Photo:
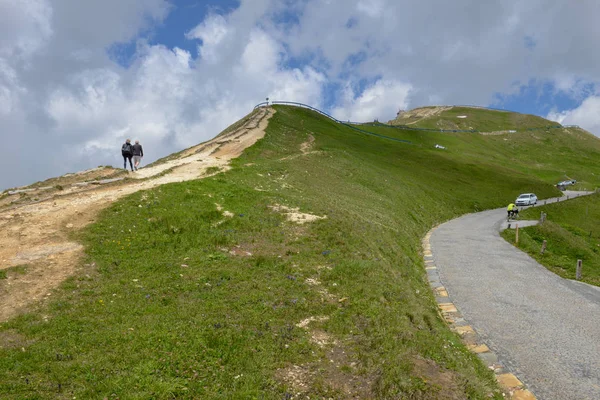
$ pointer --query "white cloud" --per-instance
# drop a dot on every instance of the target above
(25, 26)
(211, 32)
(373, 8)
(586, 115)
(380, 101)
(261, 55)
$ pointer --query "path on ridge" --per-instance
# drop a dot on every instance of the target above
(545, 329)
(37, 236)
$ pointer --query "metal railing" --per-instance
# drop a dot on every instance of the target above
(349, 125)
(352, 125)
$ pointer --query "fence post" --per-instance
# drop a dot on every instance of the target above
(543, 247)
(578, 272)
(517, 234)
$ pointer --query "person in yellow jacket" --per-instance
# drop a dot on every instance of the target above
(512, 210)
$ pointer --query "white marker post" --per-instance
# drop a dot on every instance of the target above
(578, 272)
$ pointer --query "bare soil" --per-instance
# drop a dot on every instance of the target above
(418, 114)
(35, 233)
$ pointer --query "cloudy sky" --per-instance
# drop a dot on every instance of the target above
(79, 77)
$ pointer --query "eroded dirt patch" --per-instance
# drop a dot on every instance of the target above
(11, 339)
(299, 378)
(294, 214)
(418, 114)
(445, 384)
(307, 146)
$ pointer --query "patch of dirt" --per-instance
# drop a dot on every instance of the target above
(336, 372)
(321, 338)
(11, 339)
(294, 214)
(306, 322)
(225, 213)
(240, 251)
(298, 378)
(306, 146)
(341, 375)
(418, 114)
(305, 149)
(312, 282)
(497, 133)
(38, 233)
(445, 383)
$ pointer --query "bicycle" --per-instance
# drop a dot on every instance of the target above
(513, 214)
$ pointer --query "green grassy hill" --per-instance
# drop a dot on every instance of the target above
(180, 301)
(551, 156)
(469, 118)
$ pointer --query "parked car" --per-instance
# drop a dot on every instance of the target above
(563, 184)
(526, 199)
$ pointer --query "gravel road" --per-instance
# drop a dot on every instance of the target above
(545, 329)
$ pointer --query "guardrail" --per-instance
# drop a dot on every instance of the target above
(293, 103)
(352, 125)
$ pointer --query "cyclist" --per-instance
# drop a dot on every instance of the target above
(511, 210)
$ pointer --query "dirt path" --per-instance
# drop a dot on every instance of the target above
(35, 249)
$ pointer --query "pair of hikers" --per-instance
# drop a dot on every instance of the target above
(129, 151)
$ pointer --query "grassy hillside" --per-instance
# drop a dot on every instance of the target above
(479, 119)
(180, 300)
(551, 156)
(572, 233)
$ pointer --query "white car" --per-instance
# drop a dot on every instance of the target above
(526, 199)
(563, 184)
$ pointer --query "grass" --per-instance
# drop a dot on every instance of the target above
(11, 271)
(549, 156)
(185, 302)
(571, 232)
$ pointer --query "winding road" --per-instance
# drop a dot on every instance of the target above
(544, 329)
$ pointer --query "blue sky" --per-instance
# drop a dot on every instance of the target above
(79, 78)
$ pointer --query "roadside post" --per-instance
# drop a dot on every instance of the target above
(517, 234)
(544, 244)
(578, 272)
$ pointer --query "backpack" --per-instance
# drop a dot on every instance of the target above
(126, 149)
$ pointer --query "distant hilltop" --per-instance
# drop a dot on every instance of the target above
(470, 118)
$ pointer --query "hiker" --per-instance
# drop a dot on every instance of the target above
(138, 153)
(127, 152)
